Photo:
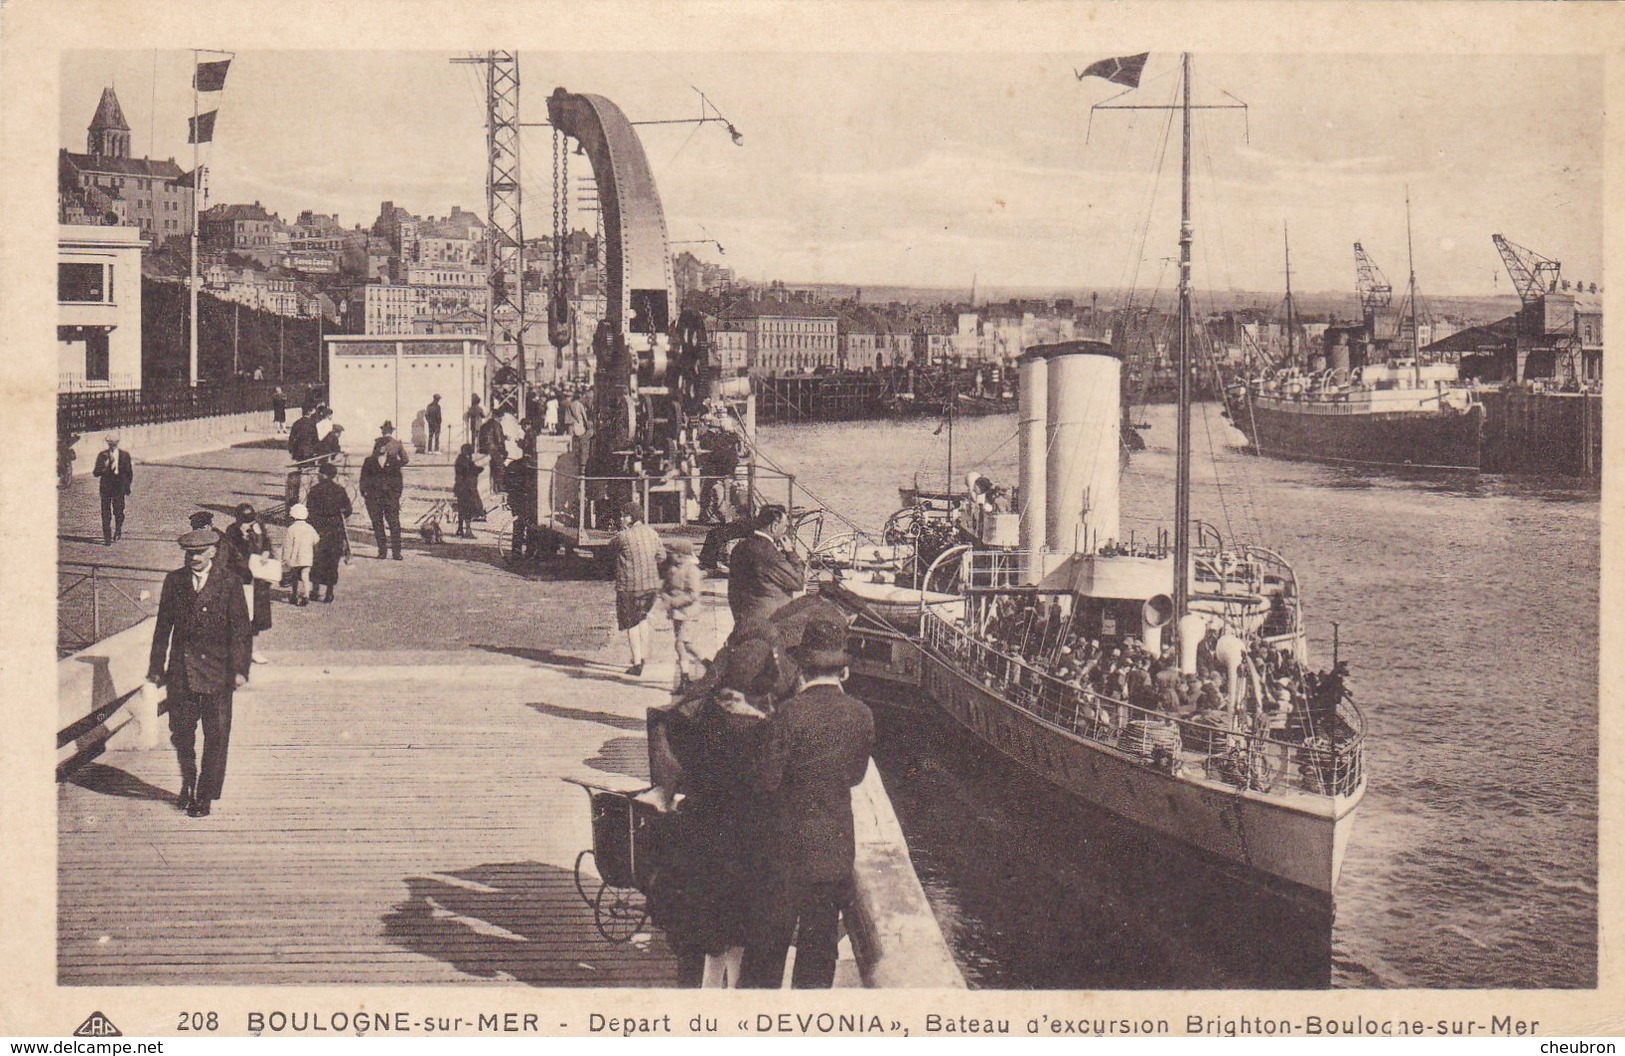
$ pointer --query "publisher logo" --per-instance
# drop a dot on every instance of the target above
(97, 1025)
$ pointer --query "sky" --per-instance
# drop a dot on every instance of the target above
(940, 169)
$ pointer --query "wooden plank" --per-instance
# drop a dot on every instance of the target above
(415, 833)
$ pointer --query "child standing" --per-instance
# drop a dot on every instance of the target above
(299, 553)
(680, 589)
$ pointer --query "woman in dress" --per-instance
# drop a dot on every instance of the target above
(328, 505)
(248, 537)
(279, 411)
(466, 491)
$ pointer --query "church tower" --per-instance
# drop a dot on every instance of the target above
(109, 134)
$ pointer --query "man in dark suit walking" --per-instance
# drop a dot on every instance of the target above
(763, 572)
(381, 487)
(199, 649)
(116, 473)
(818, 750)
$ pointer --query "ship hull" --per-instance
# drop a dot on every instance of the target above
(1298, 844)
(1429, 439)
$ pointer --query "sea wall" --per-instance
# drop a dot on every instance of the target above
(1546, 432)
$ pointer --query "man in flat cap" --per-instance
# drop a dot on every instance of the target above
(115, 473)
(199, 647)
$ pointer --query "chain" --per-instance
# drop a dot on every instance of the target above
(559, 190)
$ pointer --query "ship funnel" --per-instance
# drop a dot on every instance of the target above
(1083, 436)
(1030, 430)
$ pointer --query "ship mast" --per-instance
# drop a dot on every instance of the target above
(1182, 487)
(1410, 260)
(1291, 323)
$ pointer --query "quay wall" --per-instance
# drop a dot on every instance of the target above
(1549, 432)
(157, 440)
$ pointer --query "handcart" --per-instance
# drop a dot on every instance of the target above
(621, 862)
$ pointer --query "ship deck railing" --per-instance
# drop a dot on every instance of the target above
(1329, 763)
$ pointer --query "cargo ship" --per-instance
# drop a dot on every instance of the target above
(1349, 405)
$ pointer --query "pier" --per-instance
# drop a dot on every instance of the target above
(396, 809)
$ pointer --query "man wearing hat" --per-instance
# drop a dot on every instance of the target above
(638, 553)
(116, 473)
(200, 646)
(433, 417)
(818, 751)
(763, 571)
(381, 486)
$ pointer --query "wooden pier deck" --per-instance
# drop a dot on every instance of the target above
(399, 824)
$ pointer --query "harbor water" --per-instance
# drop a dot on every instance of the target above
(1467, 610)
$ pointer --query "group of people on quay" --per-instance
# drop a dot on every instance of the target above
(754, 763)
(1122, 669)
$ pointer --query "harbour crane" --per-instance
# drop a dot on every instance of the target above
(1532, 274)
(1374, 288)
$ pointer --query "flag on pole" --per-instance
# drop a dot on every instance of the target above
(1124, 70)
(201, 128)
(211, 76)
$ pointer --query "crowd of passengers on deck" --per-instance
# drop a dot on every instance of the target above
(1230, 677)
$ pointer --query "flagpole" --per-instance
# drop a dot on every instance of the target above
(191, 284)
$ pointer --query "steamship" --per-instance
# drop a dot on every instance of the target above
(1401, 412)
(1267, 783)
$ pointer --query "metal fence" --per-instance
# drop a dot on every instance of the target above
(93, 602)
(90, 410)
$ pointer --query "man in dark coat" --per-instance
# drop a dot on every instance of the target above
(432, 417)
(303, 438)
(763, 572)
(199, 649)
(817, 752)
(381, 487)
(116, 473)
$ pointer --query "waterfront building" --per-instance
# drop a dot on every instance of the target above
(782, 342)
(105, 185)
(730, 351)
(98, 292)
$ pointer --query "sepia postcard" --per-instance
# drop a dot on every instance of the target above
(1037, 519)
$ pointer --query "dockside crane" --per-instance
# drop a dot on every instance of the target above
(1373, 286)
(1532, 274)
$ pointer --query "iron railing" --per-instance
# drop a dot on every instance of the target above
(92, 603)
(88, 410)
(1329, 762)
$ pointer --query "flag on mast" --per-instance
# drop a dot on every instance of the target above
(1124, 70)
(201, 128)
(211, 76)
